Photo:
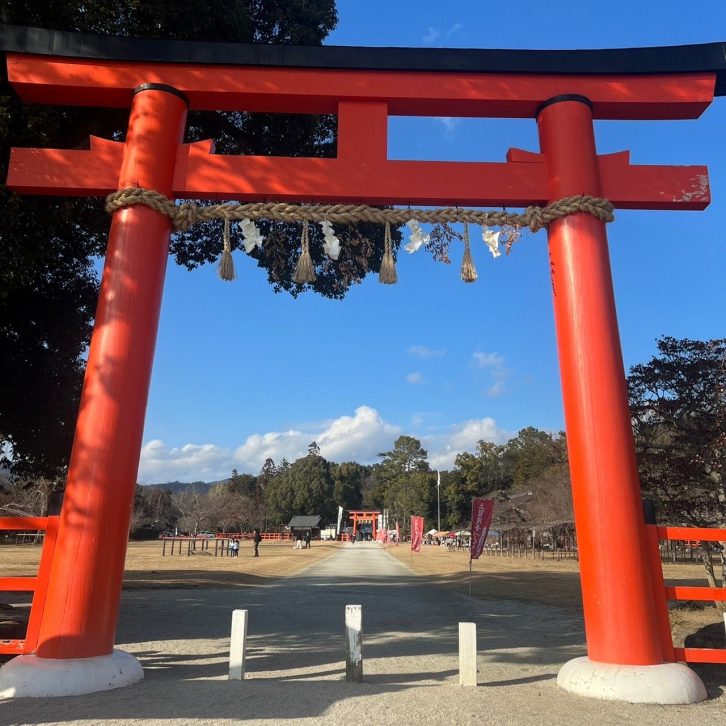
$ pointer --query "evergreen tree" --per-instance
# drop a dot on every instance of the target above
(404, 481)
(678, 407)
(48, 286)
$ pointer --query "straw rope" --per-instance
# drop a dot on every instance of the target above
(185, 215)
(387, 272)
(468, 269)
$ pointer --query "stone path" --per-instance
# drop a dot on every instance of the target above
(295, 665)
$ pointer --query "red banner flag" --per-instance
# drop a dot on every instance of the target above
(482, 511)
(416, 533)
(398, 533)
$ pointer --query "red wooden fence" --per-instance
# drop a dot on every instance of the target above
(38, 585)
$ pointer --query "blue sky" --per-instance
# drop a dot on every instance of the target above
(241, 373)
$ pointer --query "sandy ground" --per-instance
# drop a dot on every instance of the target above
(295, 667)
(551, 581)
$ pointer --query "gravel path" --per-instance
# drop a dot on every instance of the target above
(295, 663)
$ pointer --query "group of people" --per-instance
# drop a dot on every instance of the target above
(302, 541)
(233, 545)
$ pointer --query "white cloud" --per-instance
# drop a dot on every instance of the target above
(431, 35)
(357, 438)
(488, 360)
(443, 448)
(421, 351)
(453, 29)
(347, 438)
(415, 378)
(290, 445)
(498, 373)
(191, 462)
(449, 123)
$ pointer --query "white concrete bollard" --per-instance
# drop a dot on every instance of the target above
(467, 654)
(238, 645)
(353, 643)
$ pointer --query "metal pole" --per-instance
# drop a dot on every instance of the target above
(79, 619)
(438, 500)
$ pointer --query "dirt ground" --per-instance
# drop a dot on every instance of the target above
(295, 665)
(550, 581)
(146, 568)
(545, 580)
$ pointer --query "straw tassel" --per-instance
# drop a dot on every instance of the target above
(226, 263)
(387, 274)
(304, 271)
(468, 270)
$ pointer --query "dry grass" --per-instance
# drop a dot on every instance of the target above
(145, 566)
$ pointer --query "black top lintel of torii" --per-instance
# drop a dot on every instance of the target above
(702, 58)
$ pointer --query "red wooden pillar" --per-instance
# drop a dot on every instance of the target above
(620, 615)
(81, 611)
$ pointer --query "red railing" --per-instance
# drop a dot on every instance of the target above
(680, 592)
(38, 585)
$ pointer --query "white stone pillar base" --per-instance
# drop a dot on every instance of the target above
(668, 683)
(28, 676)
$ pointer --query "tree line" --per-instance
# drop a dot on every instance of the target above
(678, 409)
(533, 465)
(678, 406)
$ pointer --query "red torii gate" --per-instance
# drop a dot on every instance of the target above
(361, 516)
(563, 91)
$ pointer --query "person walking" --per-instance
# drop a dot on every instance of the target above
(235, 547)
(307, 540)
(257, 538)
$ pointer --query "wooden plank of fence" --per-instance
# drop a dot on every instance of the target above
(17, 524)
(18, 584)
(682, 592)
(41, 590)
(700, 655)
(692, 534)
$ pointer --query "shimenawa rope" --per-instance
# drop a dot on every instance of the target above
(185, 215)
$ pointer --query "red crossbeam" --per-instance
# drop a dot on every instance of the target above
(370, 179)
(63, 81)
(363, 102)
